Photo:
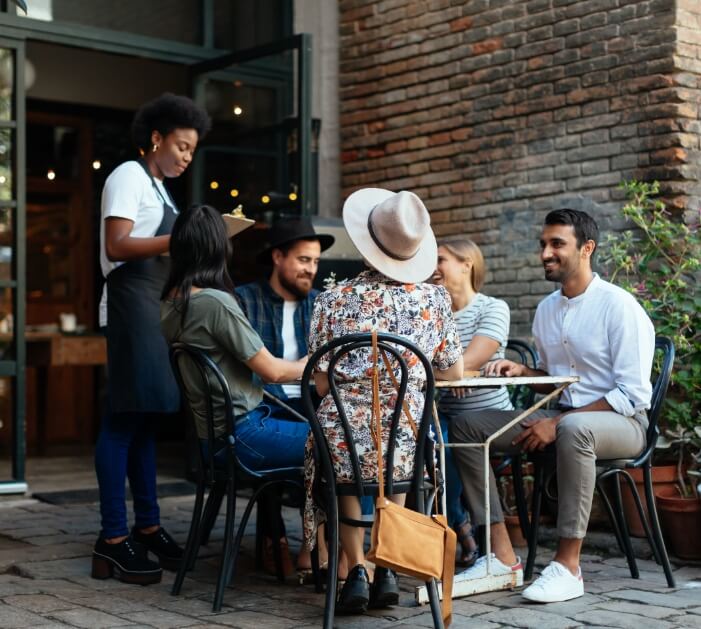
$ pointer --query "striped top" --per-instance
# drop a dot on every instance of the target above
(483, 316)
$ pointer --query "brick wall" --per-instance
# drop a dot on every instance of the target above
(496, 111)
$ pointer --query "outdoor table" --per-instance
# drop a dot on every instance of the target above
(490, 582)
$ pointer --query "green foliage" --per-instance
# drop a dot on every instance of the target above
(659, 261)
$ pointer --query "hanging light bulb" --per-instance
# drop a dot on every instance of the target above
(50, 174)
(234, 192)
(214, 185)
(237, 110)
(97, 164)
(265, 199)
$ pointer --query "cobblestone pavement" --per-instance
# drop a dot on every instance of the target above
(45, 582)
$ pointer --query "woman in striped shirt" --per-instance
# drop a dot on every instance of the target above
(483, 326)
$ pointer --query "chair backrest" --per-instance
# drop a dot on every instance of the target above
(209, 376)
(395, 347)
(521, 396)
(659, 390)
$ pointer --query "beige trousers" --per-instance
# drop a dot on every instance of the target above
(581, 439)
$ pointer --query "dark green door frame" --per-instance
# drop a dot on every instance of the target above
(16, 368)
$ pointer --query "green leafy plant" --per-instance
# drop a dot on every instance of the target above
(659, 261)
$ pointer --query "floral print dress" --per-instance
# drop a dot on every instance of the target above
(420, 313)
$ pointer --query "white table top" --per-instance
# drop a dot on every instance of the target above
(497, 381)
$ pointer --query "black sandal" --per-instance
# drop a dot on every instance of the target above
(468, 544)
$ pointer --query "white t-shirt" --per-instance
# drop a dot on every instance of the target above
(290, 349)
(128, 193)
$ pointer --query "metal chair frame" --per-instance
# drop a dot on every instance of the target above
(222, 479)
(423, 490)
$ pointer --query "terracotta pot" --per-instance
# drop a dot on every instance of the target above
(662, 476)
(514, 529)
(681, 522)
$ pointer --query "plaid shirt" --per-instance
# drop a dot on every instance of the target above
(263, 307)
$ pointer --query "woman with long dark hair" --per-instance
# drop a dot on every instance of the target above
(137, 217)
(199, 309)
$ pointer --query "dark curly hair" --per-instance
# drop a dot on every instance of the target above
(165, 114)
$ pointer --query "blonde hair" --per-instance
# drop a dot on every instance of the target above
(465, 249)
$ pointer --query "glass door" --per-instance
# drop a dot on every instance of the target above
(12, 267)
(260, 103)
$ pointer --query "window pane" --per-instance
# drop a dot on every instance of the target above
(239, 25)
(178, 20)
(7, 60)
(5, 164)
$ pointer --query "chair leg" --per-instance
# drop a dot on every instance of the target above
(225, 567)
(316, 570)
(643, 517)
(192, 545)
(519, 494)
(332, 574)
(231, 571)
(655, 524)
(211, 511)
(609, 509)
(625, 534)
(435, 602)
(538, 481)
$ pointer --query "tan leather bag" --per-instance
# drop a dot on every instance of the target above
(409, 542)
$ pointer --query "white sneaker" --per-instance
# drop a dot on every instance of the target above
(496, 567)
(554, 585)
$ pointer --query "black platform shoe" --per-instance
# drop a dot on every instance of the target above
(126, 561)
(384, 591)
(162, 545)
(355, 593)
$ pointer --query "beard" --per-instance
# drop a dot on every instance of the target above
(295, 286)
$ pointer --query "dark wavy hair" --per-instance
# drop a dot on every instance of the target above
(165, 114)
(585, 227)
(199, 254)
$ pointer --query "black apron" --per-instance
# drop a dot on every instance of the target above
(139, 374)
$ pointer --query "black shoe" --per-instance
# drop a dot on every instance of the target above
(355, 593)
(162, 545)
(384, 591)
(126, 561)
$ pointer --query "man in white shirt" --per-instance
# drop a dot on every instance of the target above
(591, 329)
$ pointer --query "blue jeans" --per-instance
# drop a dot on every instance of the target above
(453, 486)
(126, 448)
(265, 438)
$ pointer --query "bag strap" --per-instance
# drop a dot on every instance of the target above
(405, 406)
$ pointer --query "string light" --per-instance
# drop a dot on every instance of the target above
(97, 164)
(214, 185)
(265, 199)
(234, 192)
(51, 175)
(292, 196)
(237, 111)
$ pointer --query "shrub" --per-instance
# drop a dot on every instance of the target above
(659, 263)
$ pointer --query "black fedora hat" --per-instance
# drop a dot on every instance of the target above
(289, 229)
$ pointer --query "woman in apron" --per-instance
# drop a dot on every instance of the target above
(137, 217)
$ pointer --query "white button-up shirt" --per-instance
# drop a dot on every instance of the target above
(603, 336)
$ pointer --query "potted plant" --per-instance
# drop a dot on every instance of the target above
(659, 261)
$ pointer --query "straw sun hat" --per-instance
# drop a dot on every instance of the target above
(392, 231)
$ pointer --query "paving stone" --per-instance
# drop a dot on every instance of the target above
(607, 618)
(118, 605)
(17, 618)
(524, 617)
(40, 603)
(651, 611)
(677, 599)
(162, 619)
(257, 620)
(575, 606)
(89, 618)
(459, 622)
(687, 621)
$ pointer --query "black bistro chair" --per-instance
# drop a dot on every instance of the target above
(421, 487)
(610, 470)
(221, 473)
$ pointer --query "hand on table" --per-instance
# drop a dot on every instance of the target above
(504, 367)
(537, 434)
